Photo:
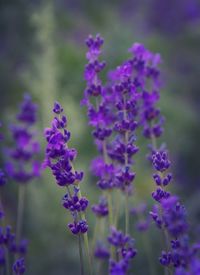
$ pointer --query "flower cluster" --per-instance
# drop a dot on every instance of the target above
(19, 267)
(3, 181)
(22, 166)
(101, 209)
(125, 251)
(59, 158)
(101, 251)
(115, 111)
(168, 214)
(8, 241)
(112, 112)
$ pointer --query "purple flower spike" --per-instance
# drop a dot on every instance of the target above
(101, 209)
(22, 165)
(168, 213)
(74, 203)
(126, 251)
(79, 227)
(165, 259)
(19, 266)
(28, 111)
(101, 251)
(59, 158)
(94, 46)
(2, 178)
(57, 108)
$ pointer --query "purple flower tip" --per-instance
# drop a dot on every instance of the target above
(57, 108)
(19, 266)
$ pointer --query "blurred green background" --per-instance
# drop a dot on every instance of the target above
(42, 51)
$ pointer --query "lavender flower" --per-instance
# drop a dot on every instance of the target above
(8, 242)
(93, 68)
(2, 178)
(22, 166)
(112, 111)
(113, 119)
(115, 111)
(168, 214)
(19, 266)
(101, 209)
(101, 251)
(59, 158)
(125, 251)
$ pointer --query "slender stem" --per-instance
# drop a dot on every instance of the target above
(80, 254)
(153, 141)
(97, 225)
(110, 210)
(109, 198)
(105, 155)
(82, 214)
(85, 237)
(69, 192)
(20, 211)
(127, 214)
(109, 195)
(7, 261)
(118, 205)
(147, 247)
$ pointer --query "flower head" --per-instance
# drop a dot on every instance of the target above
(23, 165)
(60, 158)
(19, 266)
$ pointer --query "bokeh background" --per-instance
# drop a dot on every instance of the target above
(42, 52)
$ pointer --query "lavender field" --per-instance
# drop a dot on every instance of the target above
(99, 137)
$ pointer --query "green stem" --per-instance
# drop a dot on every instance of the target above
(118, 205)
(86, 242)
(80, 254)
(97, 225)
(20, 212)
(85, 237)
(147, 247)
(110, 210)
(7, 262)
(82, 214)
(109, 197)
(127, 214)
(105, 155)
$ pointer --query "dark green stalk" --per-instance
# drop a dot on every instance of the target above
(126, 214)
(20, 212)
(80, 254)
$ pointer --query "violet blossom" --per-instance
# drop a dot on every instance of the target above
(23, 165)
(60, 158)
(168, 213)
